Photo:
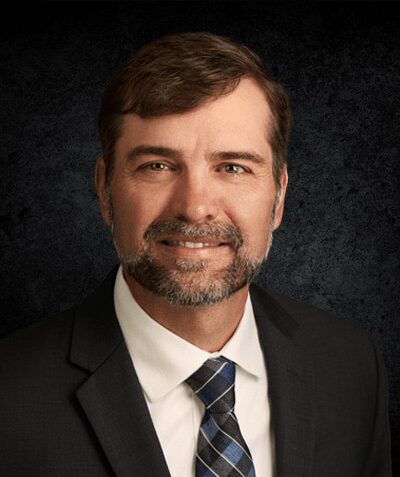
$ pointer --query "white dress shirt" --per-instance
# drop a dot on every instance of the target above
(163, 361)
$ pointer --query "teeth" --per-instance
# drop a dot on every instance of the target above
(193, 244)
(190, 244)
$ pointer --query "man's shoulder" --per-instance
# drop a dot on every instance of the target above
(46, 330)
(37, 347)
(316, 328)
(54, 332)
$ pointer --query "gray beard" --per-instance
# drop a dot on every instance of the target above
(186, 282)
(180, 287)
(182, 284)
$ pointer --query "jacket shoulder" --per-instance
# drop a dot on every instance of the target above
(316, 328)
(37, 345)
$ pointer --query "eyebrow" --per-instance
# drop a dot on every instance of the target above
(239, 155)
(169, 153)
(146, 150)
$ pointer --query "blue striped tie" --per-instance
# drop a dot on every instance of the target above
(221, 448)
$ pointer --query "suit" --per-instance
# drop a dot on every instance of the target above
(71, 403)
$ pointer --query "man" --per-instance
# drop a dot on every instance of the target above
(176, 365)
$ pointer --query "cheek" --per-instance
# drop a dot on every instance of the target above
(254, 220)
(133, 213)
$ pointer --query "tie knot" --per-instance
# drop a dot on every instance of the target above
(214, 384)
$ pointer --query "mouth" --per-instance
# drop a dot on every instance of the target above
(191, 244)
(179, 237)
(190, 248)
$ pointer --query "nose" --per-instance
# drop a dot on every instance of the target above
(194, 199)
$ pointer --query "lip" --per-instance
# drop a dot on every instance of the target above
(191, 244)
(189, 247)
(181, 240)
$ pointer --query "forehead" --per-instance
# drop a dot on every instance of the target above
(238, 119)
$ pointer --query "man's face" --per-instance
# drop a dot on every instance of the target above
(192, 200)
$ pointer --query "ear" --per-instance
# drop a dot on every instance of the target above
(281, 200)
(102, 193)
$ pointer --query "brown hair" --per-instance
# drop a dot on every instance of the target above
(179, 72)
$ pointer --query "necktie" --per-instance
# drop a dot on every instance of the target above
(221, 449)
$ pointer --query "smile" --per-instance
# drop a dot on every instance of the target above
(181, 243)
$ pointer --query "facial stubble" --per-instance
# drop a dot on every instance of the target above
(190, 282)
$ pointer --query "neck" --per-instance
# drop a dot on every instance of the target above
(207, 327)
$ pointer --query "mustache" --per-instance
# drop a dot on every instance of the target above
(231, 234)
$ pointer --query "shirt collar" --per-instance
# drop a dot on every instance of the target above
(163, 360)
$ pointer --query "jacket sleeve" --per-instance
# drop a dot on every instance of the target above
(378, 460)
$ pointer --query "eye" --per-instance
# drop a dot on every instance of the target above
(233, 169)
(156, 166)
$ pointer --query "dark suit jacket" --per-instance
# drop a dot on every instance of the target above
(71, 403)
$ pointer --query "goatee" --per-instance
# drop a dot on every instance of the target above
(188, 282)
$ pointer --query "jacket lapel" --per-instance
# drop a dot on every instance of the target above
(113, 401)
(290, 384)
(112, 397)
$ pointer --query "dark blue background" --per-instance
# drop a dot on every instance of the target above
(338, 245)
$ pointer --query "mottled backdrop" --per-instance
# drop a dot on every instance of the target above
(338, 247)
